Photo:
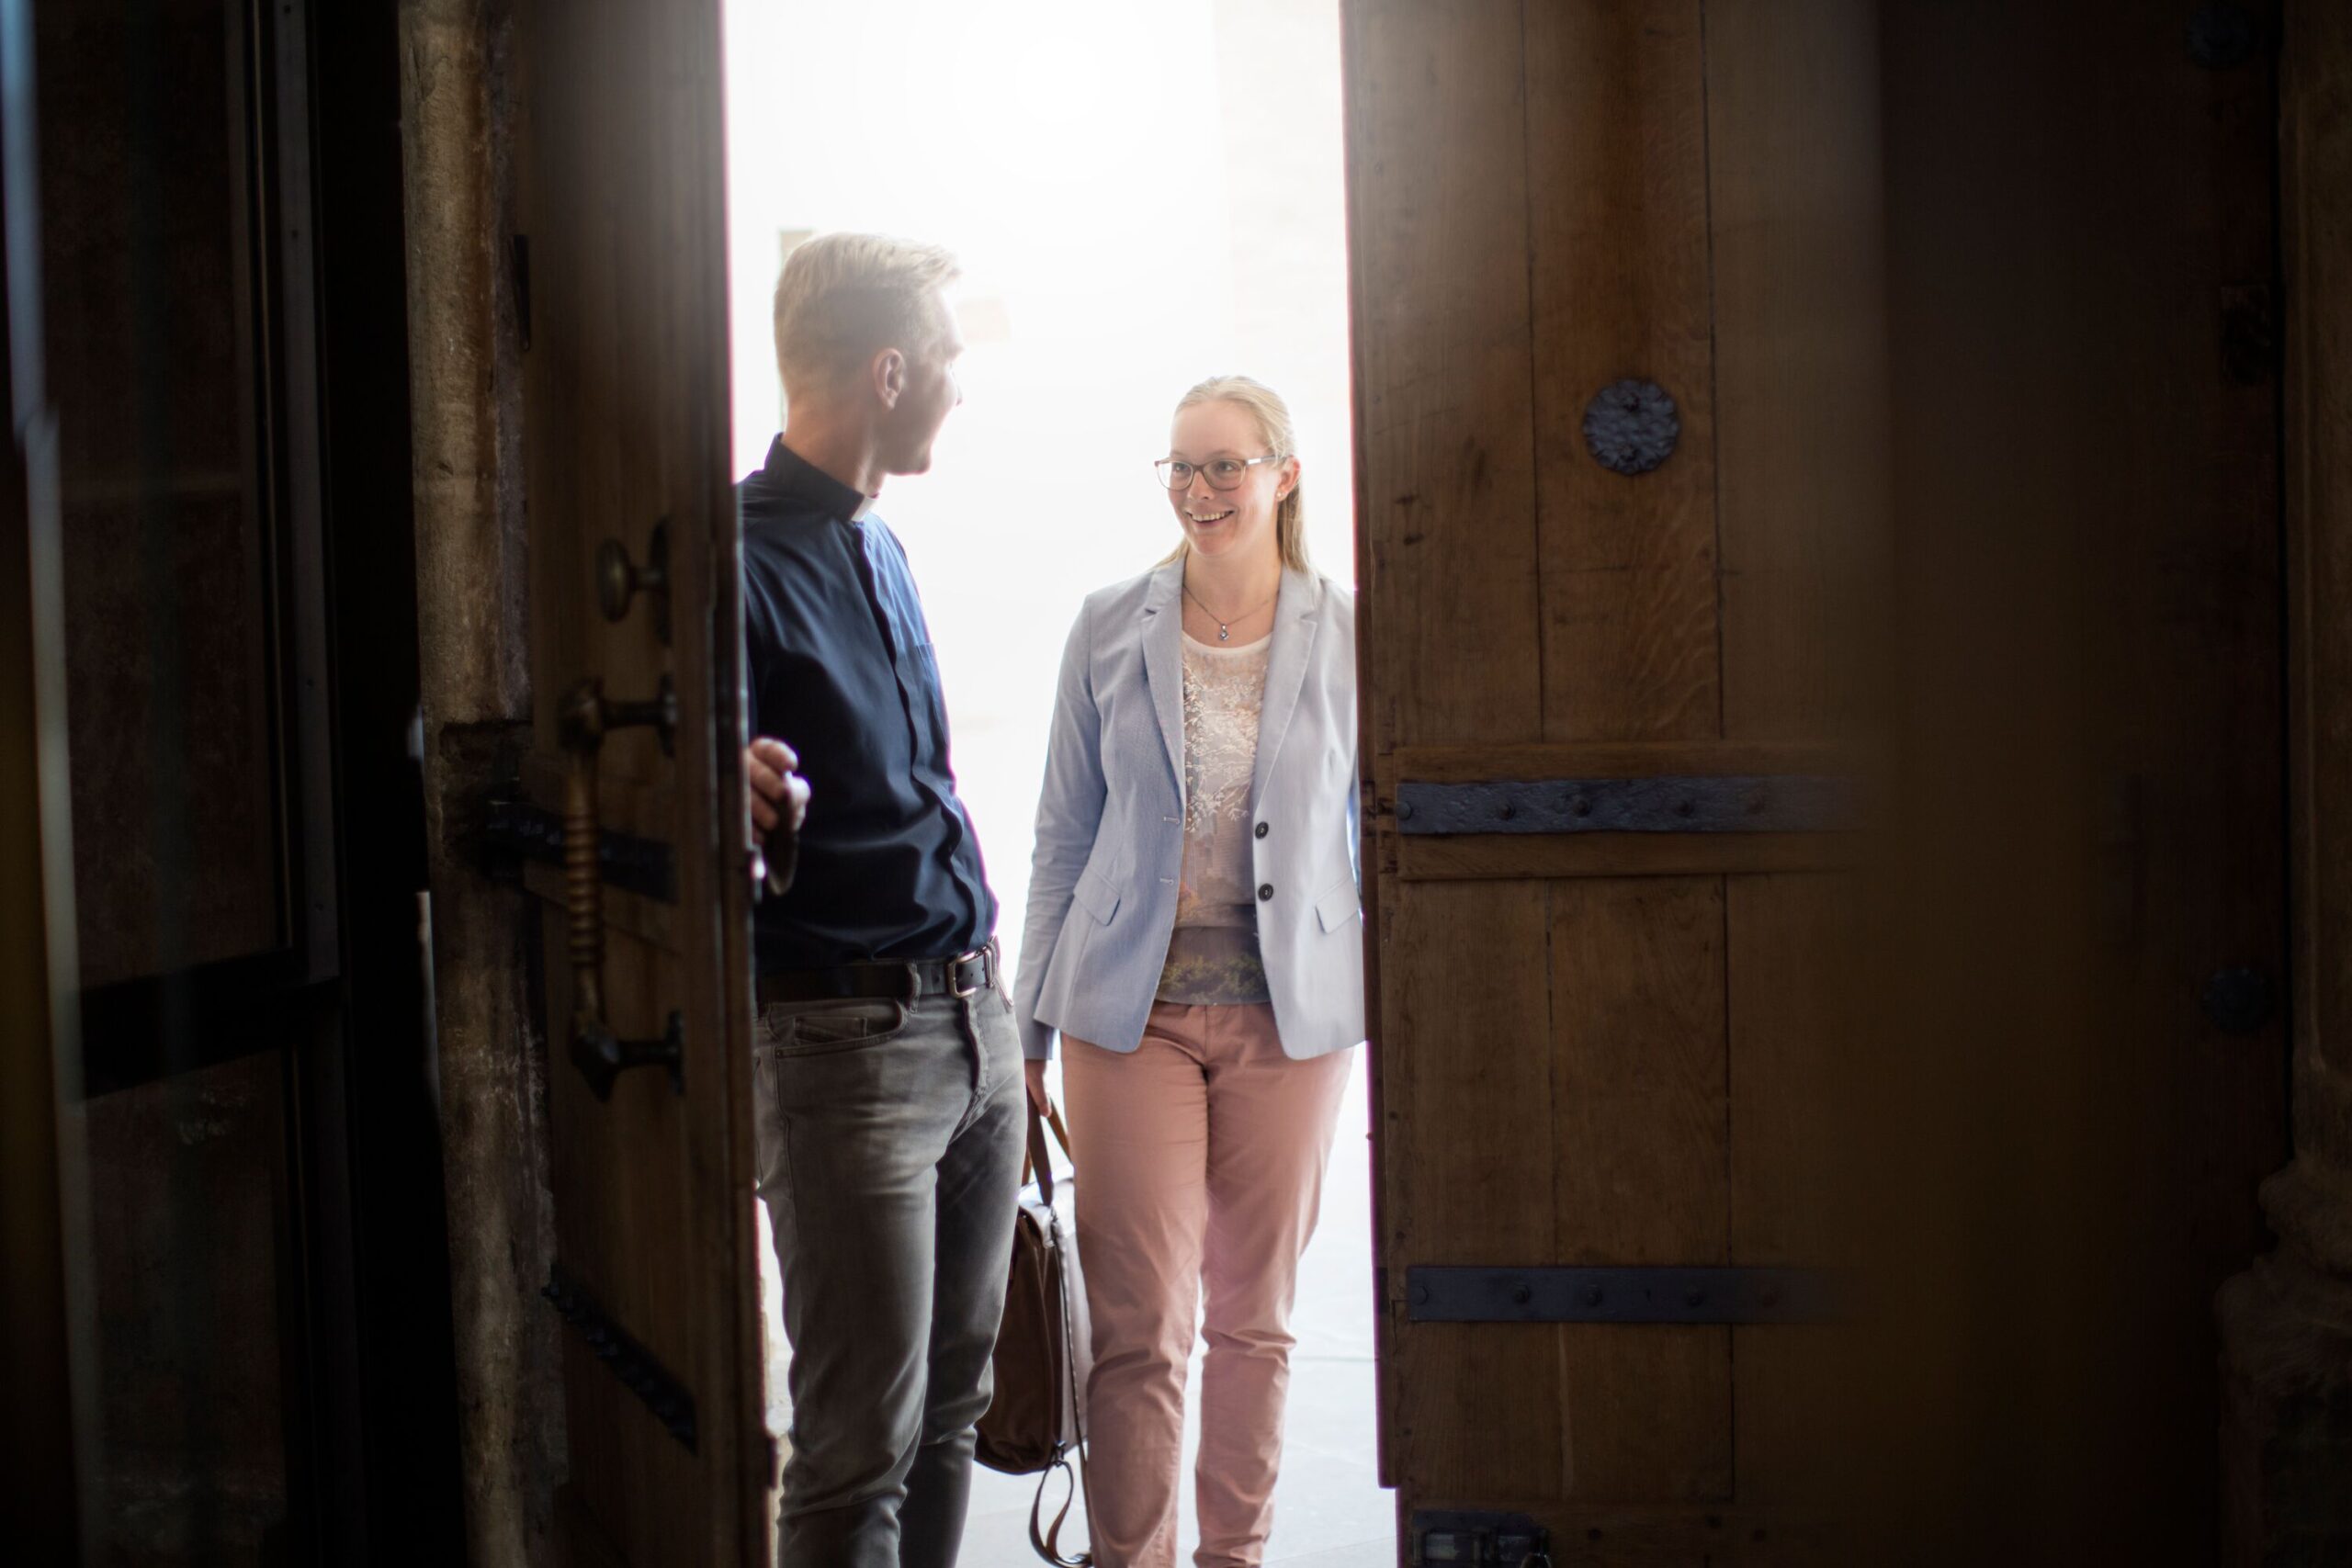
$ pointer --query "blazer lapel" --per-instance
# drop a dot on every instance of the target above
(1163, 660)
(1293, 639)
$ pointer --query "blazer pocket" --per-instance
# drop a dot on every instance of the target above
(1096, 897)
(1338, 906)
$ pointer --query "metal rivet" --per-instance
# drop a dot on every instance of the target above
(1404, 808)
(1630, 426)
(1581, 806)
(1694, 1298)
(1592, 1295)
(1521, 1293)
(1505, 810)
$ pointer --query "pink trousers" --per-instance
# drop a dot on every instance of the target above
(1200, 1160)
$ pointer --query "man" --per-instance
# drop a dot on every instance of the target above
(888, 1084)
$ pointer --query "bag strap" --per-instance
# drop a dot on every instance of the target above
(1037, 1158)
(1046, 1539)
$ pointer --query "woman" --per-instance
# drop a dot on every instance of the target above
(1193, 937)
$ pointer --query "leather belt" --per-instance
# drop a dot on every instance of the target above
(966, 974)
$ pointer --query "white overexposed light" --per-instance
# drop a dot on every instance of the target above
(1142, 195)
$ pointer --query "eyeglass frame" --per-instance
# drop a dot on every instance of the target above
(1161, 467)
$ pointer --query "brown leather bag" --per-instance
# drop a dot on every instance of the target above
(1037, 1419)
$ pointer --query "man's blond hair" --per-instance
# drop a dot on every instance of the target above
(842, 299)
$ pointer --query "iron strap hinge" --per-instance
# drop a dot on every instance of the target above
(631, 1362)
(1752, 803)
(517, 830)
(1439, 1293)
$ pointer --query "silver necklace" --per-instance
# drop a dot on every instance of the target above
(1224, 628)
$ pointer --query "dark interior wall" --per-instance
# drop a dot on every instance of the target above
(266, 1269)
(152, 286)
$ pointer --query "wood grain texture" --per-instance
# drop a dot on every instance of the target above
(1792, 960)
(1617, 262)
(1795, 188)
(1627, 759)
(1640, 1174)
(1467, 1121)
(626, 424)
(1510, 856)
(1446, 502)
(1795, 183)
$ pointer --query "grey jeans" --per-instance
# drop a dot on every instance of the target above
(890, 1150)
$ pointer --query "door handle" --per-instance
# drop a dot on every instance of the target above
(586, 717)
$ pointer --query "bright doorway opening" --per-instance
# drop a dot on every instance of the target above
(1142, 195)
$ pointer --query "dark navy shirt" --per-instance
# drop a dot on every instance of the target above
(839, 662)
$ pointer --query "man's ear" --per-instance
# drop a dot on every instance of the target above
(889, 377)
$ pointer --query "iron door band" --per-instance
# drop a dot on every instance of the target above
(1753, 803)
(517, 830)
(1444, 1294)
(631, 1362)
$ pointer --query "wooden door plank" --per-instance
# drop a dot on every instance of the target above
(627, 413)
(1790, 962)
(1466, 1110)
(1796, 193)
(1617, 262)
(1444, 436)
(1629, 760)
(1640, 1175)
(1514, 855)
(1796, 189)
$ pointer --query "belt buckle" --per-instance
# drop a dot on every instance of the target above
(955, 974)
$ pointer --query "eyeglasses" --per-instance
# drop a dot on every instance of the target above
(1223, 473)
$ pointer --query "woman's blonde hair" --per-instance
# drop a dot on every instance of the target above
(1266, 406)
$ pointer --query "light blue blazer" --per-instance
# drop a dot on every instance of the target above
(1110, 821)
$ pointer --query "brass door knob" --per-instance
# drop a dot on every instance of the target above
(619, 581)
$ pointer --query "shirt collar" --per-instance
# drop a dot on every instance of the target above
(796, 475)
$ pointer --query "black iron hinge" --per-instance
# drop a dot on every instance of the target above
(517, 830)
(631, 1362)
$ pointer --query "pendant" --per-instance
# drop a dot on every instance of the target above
(1223, 632)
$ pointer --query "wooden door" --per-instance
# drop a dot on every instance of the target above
(621, 248)
(1825, 824)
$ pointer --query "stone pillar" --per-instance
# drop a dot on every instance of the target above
(473, 631)
(2286, 1323)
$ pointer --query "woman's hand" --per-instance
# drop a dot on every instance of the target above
(1036, 1071)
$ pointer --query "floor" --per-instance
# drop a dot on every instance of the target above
(1329, 1510)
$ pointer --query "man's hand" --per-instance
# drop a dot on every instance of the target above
(778, 793)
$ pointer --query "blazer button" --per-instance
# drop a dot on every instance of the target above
(1265, 892)
(1261, 830)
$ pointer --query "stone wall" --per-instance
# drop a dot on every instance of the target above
(458, 118)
